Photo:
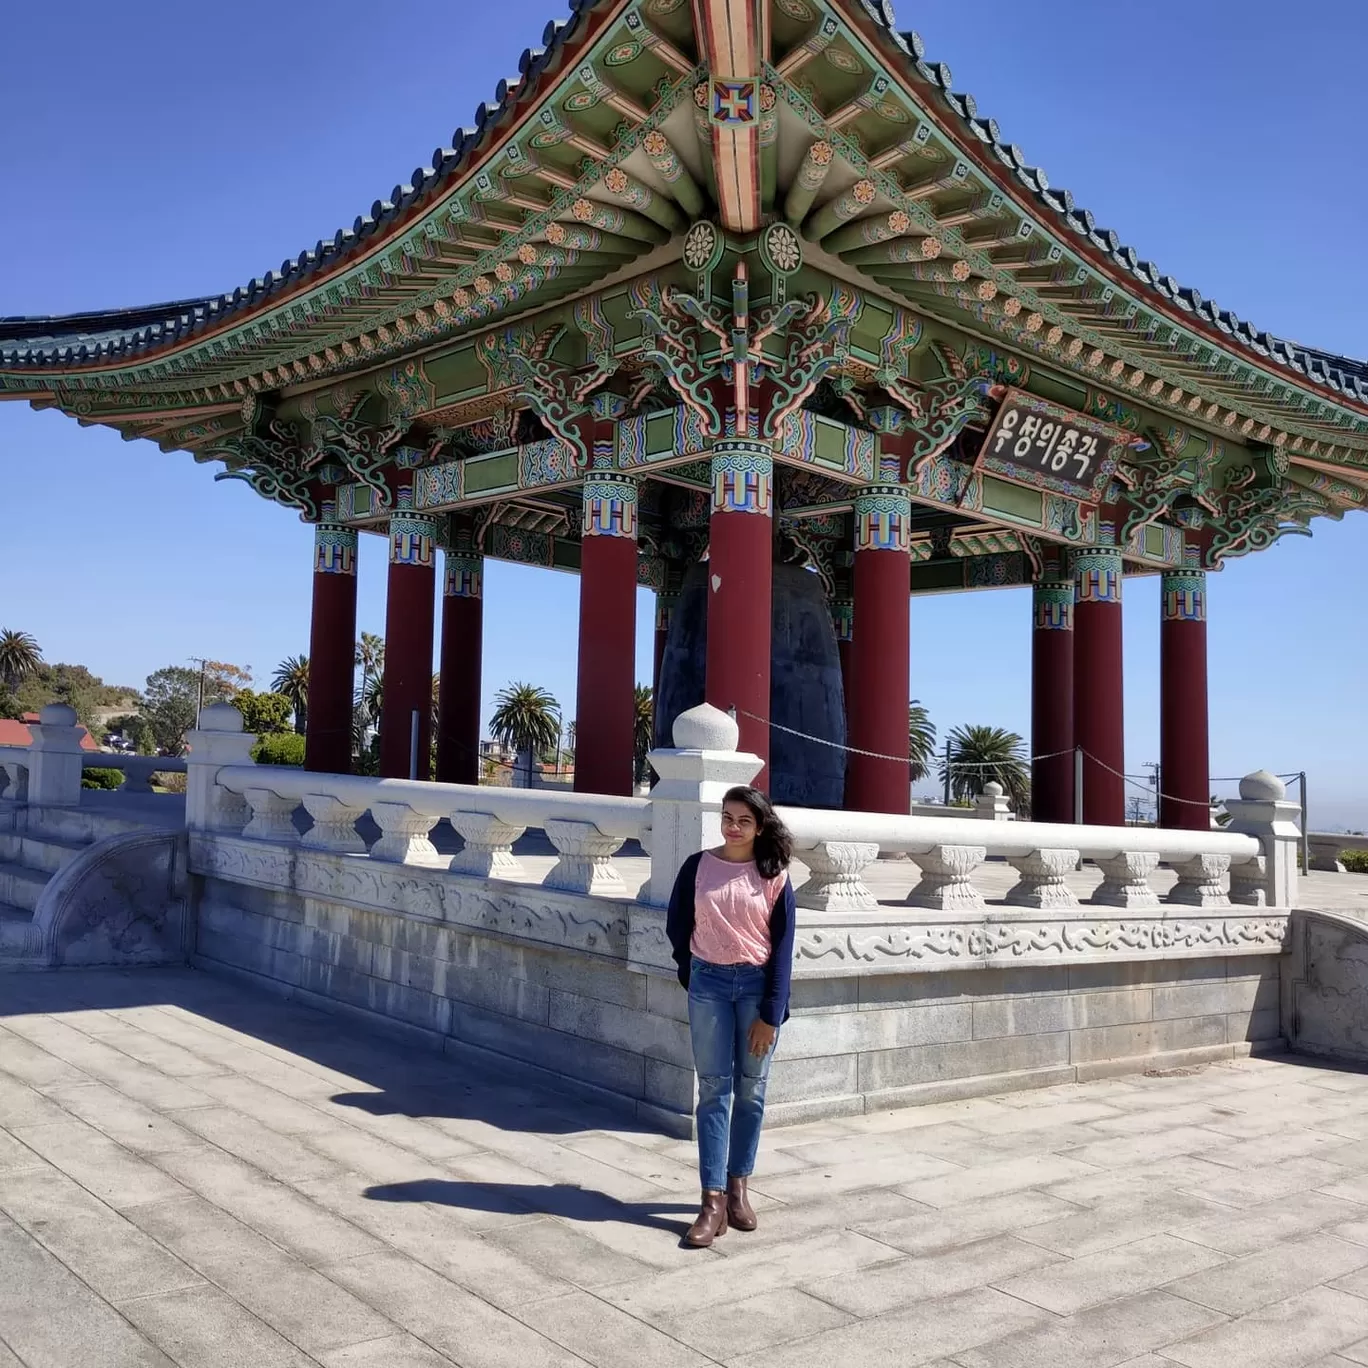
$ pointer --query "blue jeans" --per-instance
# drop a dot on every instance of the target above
(724, 999)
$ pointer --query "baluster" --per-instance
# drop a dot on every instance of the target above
(835, 882)
(272, 816)
(137, 776)
(403, 835)
(945, 883)
(334, 825)
(1042, 883)
(488, 848)
(585, 864)
(1125, 880)
(16, 789)
(1249, 882)
(1199, 881)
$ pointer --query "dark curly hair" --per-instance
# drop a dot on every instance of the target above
(773, 843)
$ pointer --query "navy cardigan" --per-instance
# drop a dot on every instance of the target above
(679, 927)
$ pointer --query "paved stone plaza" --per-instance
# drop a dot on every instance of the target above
(192, 1173)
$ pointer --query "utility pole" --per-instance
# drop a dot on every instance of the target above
(203, 665)
(1153, 767)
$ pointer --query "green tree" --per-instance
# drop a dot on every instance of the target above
(223, 681)
(137, 731)
(291, 679)
(526, 718)
(643, 729)
(263, 713)
(981, 755)
(19, 657)
(9, 704)
(172, 695)
(921, 740)
(279, 748)
(73, 685)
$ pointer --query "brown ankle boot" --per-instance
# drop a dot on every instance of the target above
(711, 1222)
(740, 1213)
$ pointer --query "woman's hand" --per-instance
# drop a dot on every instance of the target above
(762, 1036)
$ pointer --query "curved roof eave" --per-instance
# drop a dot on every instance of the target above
(120, 335)
(1341, 375)
(93, 339)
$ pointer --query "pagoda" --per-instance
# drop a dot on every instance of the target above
(741, 301)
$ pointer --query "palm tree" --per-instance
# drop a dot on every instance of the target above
(19, 657)
(370, 657)
(981, 755)
(526, 718)
(643, 728)
(921, 740)
(291, 678)
(372, 698)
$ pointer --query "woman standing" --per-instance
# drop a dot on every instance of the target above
(731, 924)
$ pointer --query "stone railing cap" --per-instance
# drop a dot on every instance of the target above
(1262, 787)
(706, 728)
(57, 715)
(220, 717)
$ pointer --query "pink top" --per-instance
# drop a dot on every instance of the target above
(732, 906)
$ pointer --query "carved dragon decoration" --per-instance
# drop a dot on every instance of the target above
(274, 465)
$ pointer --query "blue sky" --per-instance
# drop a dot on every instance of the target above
(168, 150)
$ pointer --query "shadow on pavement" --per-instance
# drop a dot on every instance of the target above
(546, 1199)
(378, 1072)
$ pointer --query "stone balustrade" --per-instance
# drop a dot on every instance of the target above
(1326, 847)
(47, 772)
(1249, 865)
(839, 846)
(332, 888)
(262, 803)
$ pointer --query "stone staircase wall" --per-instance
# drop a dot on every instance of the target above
(97, 884)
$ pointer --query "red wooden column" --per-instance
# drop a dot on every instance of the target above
(1052, 700)
(604, 704)
(408, 640)
(879, 654)
(1099, 712)
(458, 698)
(1184, 761)
(740, 590)
(332, 647)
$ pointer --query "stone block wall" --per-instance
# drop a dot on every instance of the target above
(856, 1042)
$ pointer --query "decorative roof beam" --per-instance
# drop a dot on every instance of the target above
(729, 33)
(842, 209)
(969, 211)
(644, 200)
(659, 46)
(873, 93)
(592, 242)
(895, 253)
(955, 178)
(808, 181)
(915, 146)
(986, 236)
(623, 222)
(607, 93)
(666, 163)
(815, 43)
(868, 232)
